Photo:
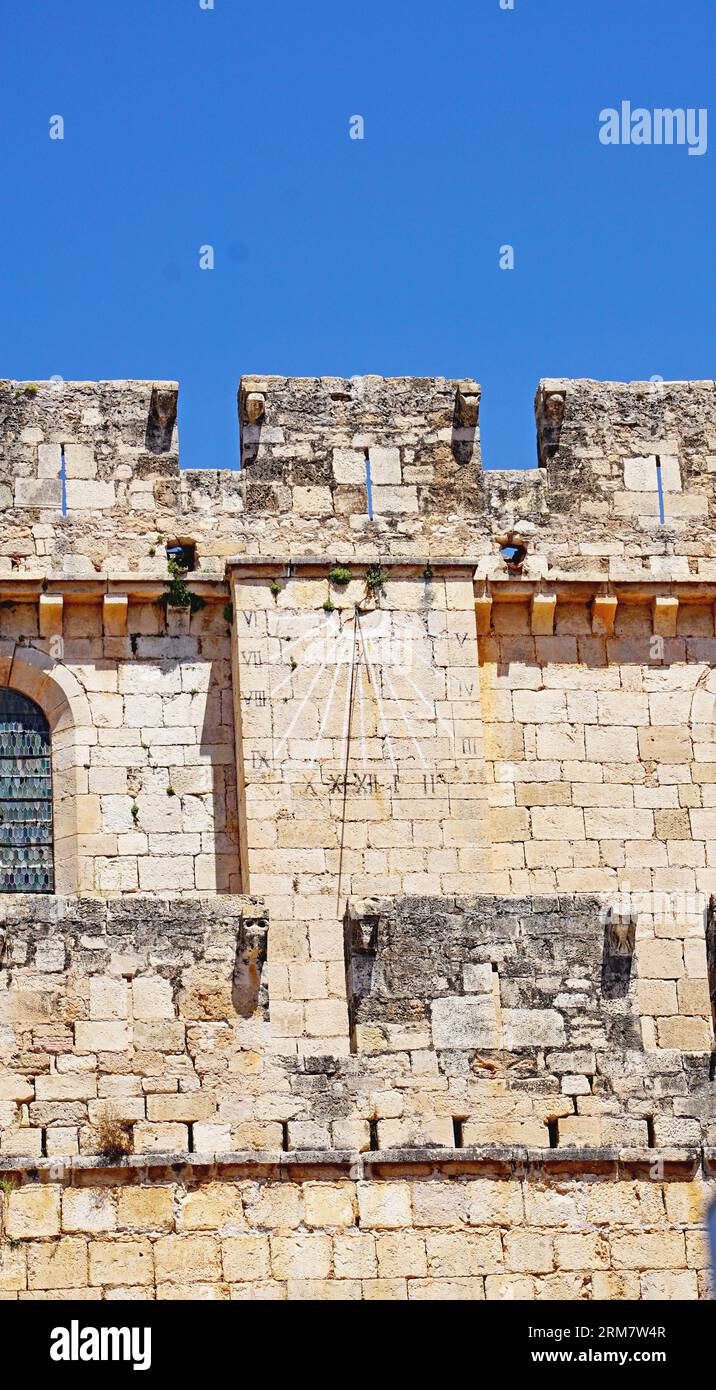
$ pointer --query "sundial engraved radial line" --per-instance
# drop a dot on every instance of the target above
(357, 694)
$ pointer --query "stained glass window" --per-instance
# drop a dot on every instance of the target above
(25, 797)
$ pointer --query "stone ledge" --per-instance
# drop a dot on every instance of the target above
(376, 1163)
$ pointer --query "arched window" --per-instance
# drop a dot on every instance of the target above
(25, 797)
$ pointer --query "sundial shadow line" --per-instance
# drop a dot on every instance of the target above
(376, 691)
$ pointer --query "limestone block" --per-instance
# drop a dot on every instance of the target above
(38, 492)
(384, 1205)
(246, 1257)
(214, 1207)
(101, 1037)
(670, 474)
(579, 1130)
(465, 1253)
(688, 1034)
(89, 496)
(349, 465)
(185, 1107)
(49, 460)
(669, 1284)
(33, 1211)
(152, 997)
(187, 1259)
(14, 1087)
(640, 474)
(533, 1028)
(300, 1256)
(145, 1208)
(313, 501)
(354, 1255)
(88, 1209)
(384, 465)
(13, 1271)
(660, 959)
(278, 1208)
(528, 1251)
(165, 1035)
(395, 499)
(58, 1264)
(109, 998)
(645, 1250)
(160, 1138)
(73, 1086)
(478, 979)
(213, 1138)
(80, 461)
(330, 1204)
(121, 1261)
(509, 1287)
(667, 744)
(401, 1254)
(464, 1021)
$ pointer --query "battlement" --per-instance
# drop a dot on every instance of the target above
(366, 445)
(387, 463)
(85, 438)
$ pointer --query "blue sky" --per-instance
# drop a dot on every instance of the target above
(229, 127)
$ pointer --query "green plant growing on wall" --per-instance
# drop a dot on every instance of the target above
(31, 389)
(134, 642)
(340, 575)
(275, 588)
(178, 595)
(329, 606)
(135, 813)
(375, 578)
(428, 573)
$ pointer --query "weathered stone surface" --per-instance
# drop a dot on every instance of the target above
(477, 726)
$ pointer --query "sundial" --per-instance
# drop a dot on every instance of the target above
(354, 701)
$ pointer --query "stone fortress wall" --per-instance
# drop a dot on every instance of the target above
(382, 920)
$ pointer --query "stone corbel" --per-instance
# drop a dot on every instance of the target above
(604, 612)
(483, 614)
(666, 613)
(115, 608)
(249, 988)
(542, 614)
(51, 608)
(467, 404)
(252, 403)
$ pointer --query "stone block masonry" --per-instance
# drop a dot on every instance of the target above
(380, 959)
(405, 1232)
